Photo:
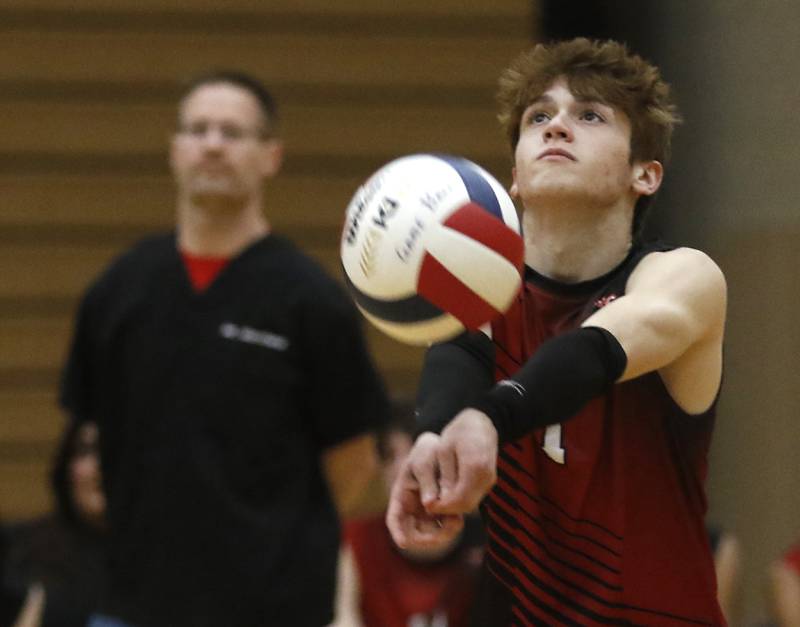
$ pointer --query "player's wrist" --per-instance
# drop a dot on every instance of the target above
(501, 404)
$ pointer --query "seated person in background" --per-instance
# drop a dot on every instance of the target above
(10, 600)
(57, 560)
(381, 585)
(727, 564)
(784, 588)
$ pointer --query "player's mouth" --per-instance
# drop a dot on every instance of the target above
(556, 153)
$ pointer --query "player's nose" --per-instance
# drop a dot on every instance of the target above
(558, 128)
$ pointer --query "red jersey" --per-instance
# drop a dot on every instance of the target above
(398, 592)
(792, 558)
(600, 520)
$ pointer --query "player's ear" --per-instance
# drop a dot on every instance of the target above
(513, 191)
(272, 157)
(647, 177)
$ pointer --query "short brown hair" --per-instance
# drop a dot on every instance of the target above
(604, 71)
(250, 84)
(596, 70)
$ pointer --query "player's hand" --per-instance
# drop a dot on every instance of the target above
(411, 524)
(443, 478)
(466, 463)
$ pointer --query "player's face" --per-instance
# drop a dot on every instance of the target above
(220, 149)
(85, 477)
(573, 150)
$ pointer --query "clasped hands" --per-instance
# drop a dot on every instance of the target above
(444, 477)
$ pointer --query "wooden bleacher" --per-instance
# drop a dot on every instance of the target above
(87, 102)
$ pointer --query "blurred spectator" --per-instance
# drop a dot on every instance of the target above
(10, 600)
(727, 564)
(56, 561)
(784, 588)
(233, 391)
(381, 585)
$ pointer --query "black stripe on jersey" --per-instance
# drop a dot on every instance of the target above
(502, 571)
(495, 512)
(499, 552)
(504, 477)
(499, 565)
(683, 619)
(517, 466)
(500, 495)
(498, 571)
(504, 534)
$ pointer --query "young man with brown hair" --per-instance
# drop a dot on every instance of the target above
(590, 449)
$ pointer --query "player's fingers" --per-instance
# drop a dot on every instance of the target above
(450, 526)
(422, 464)
(396, 522)
(448, 471)
(473, 480)
(403, 504)
(434, 532)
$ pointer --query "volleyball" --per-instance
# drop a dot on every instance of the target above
(431, 246)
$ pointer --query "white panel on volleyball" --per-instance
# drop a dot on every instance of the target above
(481, 269)
(441, 328)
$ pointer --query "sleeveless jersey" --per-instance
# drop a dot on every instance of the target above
(599, 520)
(398, 592)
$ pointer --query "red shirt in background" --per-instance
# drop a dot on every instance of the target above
(203, 270)
(396, 591)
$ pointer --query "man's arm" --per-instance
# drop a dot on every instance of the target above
(672, 320)
(348, 468)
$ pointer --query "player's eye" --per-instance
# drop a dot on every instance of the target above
(538, 117)
(590, 115)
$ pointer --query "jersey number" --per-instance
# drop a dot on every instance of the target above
(553, 445)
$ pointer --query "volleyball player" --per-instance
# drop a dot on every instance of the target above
(232, 389)
(589, 452)
(783, 590)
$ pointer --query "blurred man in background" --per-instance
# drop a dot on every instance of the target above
(233, 392)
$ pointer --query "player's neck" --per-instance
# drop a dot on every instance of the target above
(219, 230)
(575, 246)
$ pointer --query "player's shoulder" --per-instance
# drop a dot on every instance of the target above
(690, 265)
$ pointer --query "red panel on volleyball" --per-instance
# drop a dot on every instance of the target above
(437, 285)
(474, 221)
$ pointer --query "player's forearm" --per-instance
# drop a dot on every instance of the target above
(454, 374)
(555, 383)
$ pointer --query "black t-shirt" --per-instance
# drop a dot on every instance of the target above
(214, 408)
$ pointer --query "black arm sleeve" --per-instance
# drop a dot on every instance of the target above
(454, 375)
(555, 383)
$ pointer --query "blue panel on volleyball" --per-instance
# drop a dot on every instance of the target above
(478, 188)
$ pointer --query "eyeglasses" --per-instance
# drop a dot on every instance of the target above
(228, 132)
